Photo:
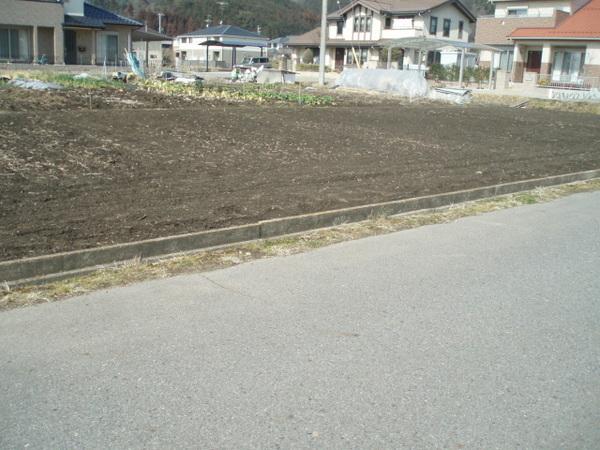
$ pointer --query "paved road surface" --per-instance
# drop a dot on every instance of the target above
(478, 334)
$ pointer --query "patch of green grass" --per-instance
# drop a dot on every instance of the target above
(526, 199)
(241, 92)
(68, 80)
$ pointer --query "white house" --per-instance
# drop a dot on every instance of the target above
(218, 46)
(509, 15)
(358, 32)
(566, 55)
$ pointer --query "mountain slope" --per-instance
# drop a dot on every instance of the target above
(274, 17)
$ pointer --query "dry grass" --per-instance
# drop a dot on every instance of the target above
(138, 270)
(536, 103)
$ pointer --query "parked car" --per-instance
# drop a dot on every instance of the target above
(254, 61)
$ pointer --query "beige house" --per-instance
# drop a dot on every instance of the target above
(30, 29)
(152, 48)
(358, 32)
(63, 31)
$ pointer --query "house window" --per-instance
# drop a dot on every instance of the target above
(568, 66)
(361, 53)
(362, 24)
(368, 26)
(506, 61)
(434, 58)
(349, 57)
(388, 23)
(355, 25)
(433, 25)
(517, 12)
(447, 24)
(108, 47)
(14, 44)
(340, 27)
(461, 26)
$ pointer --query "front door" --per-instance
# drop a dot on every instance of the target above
(70, 47)
(401, 59)
(339, 59)
(534, 61)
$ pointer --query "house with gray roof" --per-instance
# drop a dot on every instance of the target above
(357, 33)
(62, 31)
(220, 46)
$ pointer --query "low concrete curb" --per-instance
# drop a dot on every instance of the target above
(49, 267)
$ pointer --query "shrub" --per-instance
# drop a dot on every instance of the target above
(310, 68)
(307, 57)
(437, 72)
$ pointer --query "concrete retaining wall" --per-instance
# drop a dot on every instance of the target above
(55, 266)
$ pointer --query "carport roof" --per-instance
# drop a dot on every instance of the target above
(149, 36)
(234, 43)
(428, 43)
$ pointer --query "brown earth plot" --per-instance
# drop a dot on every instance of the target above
(72, 177)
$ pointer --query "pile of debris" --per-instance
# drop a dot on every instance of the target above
(179, 77)
(27, 83)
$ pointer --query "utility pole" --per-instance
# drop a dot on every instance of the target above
(222, 6)
(160, 16)
(323, 48)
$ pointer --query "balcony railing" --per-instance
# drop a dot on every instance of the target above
(568, 82)
(529, 15)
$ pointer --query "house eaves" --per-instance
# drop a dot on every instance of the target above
(403, 7)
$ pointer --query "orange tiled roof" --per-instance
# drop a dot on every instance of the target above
(584, 24)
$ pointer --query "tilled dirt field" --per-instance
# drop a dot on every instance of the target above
(74, 179)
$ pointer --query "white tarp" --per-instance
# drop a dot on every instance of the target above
(408, 83)
(451, 95)
(34, 84)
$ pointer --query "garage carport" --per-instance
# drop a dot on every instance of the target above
(425, 44)
(233, 44)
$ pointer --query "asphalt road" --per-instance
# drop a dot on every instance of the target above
(482, 333)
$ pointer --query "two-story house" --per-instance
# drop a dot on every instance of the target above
(62, 31)
(357, 33)
(218, 46)
(566, 55)
(512, 14)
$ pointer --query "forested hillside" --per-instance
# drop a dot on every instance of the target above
(274, 17)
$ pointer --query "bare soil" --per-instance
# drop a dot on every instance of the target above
(72, 177)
